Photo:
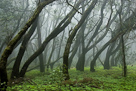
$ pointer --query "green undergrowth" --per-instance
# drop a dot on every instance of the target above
(101, 80)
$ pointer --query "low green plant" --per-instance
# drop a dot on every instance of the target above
(101, 80)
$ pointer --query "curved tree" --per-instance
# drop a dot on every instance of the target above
(8, 50)
(71, 36)
(61, 26)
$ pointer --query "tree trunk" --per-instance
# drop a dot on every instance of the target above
(81, 59)
(8, 50)
(117, 58)
(101, 50)
(123, 58)
(108, 54)
(80, 63)
(2, 46)
(119, 33)
(70, 39)
(61, 26)
(49, 59)
(113, 60)
(16, 66)
(42, 68)
(4, 79)
(77, 42)
(106, 63)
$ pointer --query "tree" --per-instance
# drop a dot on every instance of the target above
(8, 50)
(61, 26)
(15, 71)
(117, 35)
(71, 36)
(42, 68)
(81, 60)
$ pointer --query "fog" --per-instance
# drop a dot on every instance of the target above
(44, 35)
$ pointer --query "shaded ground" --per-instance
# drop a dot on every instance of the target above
(101, 80)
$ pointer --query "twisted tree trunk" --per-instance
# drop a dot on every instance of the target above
(8, 50)
(71, 37)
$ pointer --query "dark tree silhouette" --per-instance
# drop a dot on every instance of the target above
(8, 50)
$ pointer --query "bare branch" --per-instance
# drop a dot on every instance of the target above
(73, 7)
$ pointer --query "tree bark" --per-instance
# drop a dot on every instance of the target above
(61, 26)
(108, 54)
(8, 50)
(81, 59)
(42, 68)
(77, 42)
(16, 66)
(70, 39)
(123, 57)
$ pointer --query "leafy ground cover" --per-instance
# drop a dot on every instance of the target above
(101, 80)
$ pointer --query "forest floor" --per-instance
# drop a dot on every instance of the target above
(101, 80)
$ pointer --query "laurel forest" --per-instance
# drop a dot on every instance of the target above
(62, 45)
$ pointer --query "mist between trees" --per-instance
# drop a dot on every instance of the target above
(45, 34)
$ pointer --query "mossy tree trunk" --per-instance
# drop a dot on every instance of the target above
(8, 50)
(61, 26)
(76, 46)
(71, 37)
(16, 66)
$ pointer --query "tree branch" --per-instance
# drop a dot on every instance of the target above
(73, 7)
